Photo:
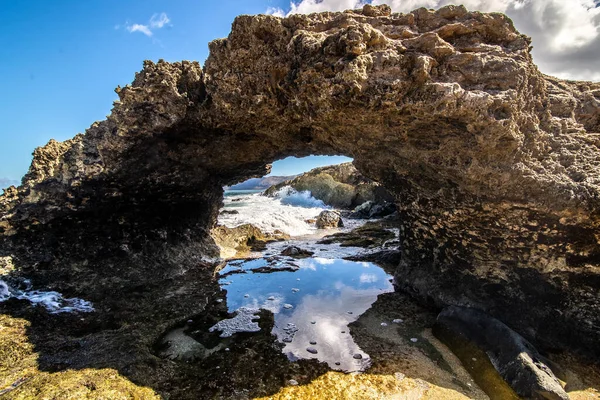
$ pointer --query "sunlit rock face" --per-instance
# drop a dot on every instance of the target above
(495, 167)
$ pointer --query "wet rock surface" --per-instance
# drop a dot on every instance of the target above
(521, 366)
(370, 235)
(296, 252)
(371, 209)
(243, 239)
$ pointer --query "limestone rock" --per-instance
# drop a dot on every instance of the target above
(370, 209)
(493, 166)
(370, 235)
(526, 371)
(329, 219)
(339, 186)
(239, 241)
(296, 252)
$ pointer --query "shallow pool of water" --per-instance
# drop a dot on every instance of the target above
(313, 301)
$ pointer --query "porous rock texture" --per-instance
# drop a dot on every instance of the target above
(527, 372)
(494, 166)
(329, 219)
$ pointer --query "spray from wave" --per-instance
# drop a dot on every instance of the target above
(290, 196)
(54, 302)
(287, 211)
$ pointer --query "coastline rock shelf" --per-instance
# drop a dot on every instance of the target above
(494, 168)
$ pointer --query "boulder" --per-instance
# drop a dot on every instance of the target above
(371, 209)
(296, 252)
(239, 241)
(470, 332)
(230, 212)
(329, 219)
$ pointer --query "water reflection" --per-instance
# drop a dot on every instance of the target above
(313, 304)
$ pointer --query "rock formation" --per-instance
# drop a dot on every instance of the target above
(329, 219)
(241, 240)
(494, 166)
(469, 332)
(339, 186)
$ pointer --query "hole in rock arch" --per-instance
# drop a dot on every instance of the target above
(292, 195)
(288, 236)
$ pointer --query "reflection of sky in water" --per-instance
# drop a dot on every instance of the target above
(328, 290)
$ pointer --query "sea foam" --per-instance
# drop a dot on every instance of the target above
(287, 211)
(53, 301)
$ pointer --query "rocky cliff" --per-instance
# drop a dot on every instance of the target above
(340, 186)
(494, 166)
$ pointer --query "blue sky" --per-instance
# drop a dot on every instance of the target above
(61, 60)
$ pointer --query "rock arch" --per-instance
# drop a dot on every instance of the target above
(495, 166)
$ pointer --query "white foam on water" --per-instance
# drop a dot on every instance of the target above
(4, 292)
(290, 196)
(242, 322)
(287, 211)
(53, 301)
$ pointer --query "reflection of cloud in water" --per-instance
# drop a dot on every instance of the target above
(368, 278)
(272, 305)
(330, 311)
(323, 291)
(308, 265)
(325, 261)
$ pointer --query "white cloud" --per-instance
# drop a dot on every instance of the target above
(324, 261)
(157, 21)
(566, 34)
(311, 6)
(368, 278)
(140, 28)
(276, 11)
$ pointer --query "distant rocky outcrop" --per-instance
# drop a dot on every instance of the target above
(339, 186)
(372, 209)
(260, 183)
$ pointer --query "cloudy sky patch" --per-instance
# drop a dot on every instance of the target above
(157, 21)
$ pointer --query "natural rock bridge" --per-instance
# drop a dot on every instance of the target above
(495, 167)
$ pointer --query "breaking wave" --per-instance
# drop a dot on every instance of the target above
(287, 211)
(54, 302)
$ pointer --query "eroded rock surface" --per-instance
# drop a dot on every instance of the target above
(329, 219)
(527, 372)
(241, 240)
(494, 166)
